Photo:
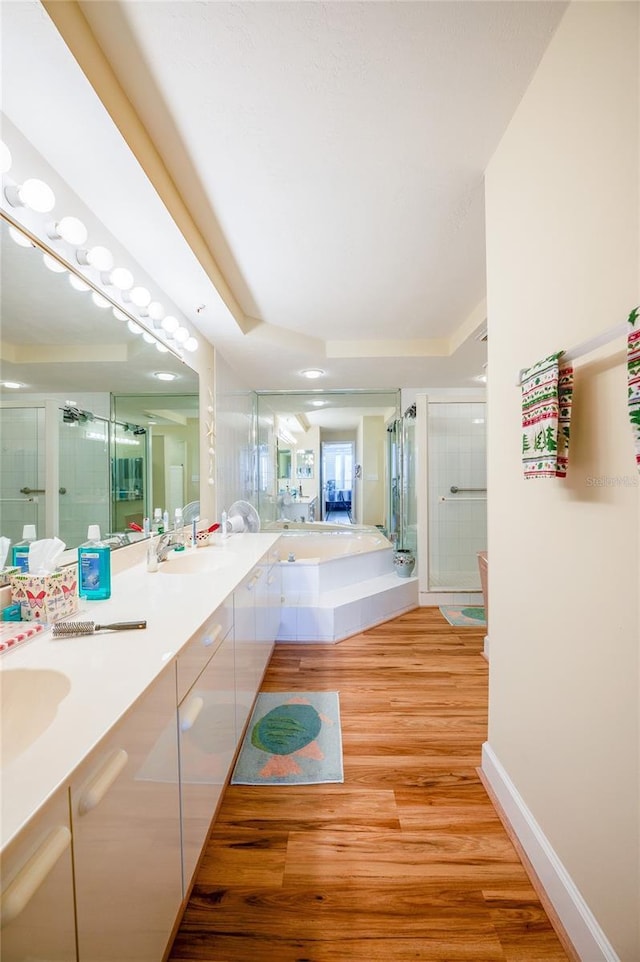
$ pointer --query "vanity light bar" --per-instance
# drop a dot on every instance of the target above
(38, 197)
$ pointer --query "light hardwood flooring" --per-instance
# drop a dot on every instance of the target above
(407, 859)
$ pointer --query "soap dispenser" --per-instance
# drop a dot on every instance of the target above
(94, 567)
(20, 550)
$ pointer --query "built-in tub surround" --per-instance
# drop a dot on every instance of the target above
(338, 580)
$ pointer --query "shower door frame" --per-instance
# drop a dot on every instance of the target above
(422, 426)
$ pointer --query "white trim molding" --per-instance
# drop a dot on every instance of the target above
(587, 939)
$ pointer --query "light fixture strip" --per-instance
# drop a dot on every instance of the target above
(45, 249)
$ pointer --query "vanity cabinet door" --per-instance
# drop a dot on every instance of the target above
(246, 647)
(37, 917)
(125, 810)
(267, 603)
(207, 734)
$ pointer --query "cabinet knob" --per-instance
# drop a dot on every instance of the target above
(102, 782)
(19, 892)
(189, 715)
(213, 636)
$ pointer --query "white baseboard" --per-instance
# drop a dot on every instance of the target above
(583, 931)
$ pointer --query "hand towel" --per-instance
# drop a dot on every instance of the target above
(633, 377)
(547, 393)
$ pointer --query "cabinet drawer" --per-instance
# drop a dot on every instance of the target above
(204, 644)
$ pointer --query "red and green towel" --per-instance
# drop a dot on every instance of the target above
(547, 392)
(633, 377)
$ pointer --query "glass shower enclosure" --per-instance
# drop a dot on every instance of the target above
(456, 493)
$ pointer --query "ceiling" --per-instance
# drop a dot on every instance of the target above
(304, 179)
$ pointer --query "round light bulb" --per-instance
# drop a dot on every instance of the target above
(134, 328)
(121, 278)
(77, 283)
(170, 324)
(162, 347)
(165, 376)
(37, 195)
(149, 338)
(312, 373)
(5, 158)
(53, 265)
(155, 311)
(120, 315)
(99, 300)
(140, 296)
(181, 334)
(71, 230)
(191, 344)
(21, 239)
(99, 257)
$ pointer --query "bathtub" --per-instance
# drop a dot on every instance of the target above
(337, 581)
(323, 561)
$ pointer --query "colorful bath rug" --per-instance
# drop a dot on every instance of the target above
(293, 738)
(461, 615)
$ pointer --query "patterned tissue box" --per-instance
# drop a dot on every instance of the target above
(46, 597)
(6, 574)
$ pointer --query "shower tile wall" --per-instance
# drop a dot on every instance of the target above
(456, 456)
(22, 446)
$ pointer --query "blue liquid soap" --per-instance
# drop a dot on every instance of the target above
(20, 550)
(94, 567)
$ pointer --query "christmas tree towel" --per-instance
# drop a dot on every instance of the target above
(633, 377)
(546, 415)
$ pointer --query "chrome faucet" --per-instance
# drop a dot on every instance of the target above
(166, 542)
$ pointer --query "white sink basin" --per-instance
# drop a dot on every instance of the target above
(201, 561)
(30, 699)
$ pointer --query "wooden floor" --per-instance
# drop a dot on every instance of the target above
(405, 860)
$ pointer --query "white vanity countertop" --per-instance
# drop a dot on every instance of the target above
(109, 672)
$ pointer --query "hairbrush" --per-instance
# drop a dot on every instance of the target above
(90, 627)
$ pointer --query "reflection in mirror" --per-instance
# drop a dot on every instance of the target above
(71, 455)
(301, 424)
(304, 463)
(284, 464)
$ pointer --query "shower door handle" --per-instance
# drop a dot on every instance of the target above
(27, 490)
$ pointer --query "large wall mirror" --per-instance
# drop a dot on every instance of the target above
(103, 427)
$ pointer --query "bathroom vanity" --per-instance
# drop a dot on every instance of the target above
(109, 791)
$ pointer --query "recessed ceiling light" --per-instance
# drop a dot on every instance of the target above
(318, 404)
(165, 376)
(13, 385)
(312, 372)
(481, 377)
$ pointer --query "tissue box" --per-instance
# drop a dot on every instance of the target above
(46, 597)
(5, 575)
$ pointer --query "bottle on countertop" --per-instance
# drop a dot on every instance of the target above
(156, 527)
(94, 567)
(20, 550)
(165, 520)
(178, 525)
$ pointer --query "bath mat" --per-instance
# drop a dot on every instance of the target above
(464, 615)
(293, 738)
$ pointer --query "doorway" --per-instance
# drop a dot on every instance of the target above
(336, 478)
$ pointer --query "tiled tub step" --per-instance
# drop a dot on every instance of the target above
(334, 615)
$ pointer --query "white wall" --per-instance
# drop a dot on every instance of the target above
(564, 575)
(235, 439)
